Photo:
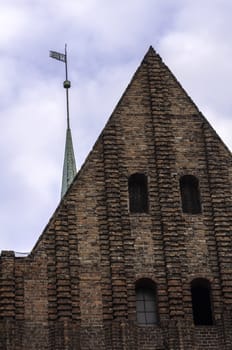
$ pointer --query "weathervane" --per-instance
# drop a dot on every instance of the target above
(67, 84)
(69, 166)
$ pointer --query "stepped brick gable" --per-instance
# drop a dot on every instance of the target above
(138, 254)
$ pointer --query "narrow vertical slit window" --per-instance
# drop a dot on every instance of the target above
(190, 194)
(146, 302)
(138, 193)
(201, 302)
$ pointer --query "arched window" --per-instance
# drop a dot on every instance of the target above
(146, 302)
(138, 194)
(201, 302)
(190, 195)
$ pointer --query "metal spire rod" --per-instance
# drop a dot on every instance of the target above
(67, 85)
(66, 62)
(69, 166)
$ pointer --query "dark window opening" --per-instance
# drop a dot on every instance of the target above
(146, 302)
(201, 302)
(190, 195)
(138, 193)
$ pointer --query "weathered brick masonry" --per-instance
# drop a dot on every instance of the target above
(77, 288)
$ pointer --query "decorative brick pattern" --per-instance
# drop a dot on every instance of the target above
(76, 290)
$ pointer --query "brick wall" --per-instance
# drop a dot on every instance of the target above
(76, 290)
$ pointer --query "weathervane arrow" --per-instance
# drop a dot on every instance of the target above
(58, 56)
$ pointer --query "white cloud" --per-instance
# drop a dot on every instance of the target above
(13, 22)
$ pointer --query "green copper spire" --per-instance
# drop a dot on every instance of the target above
(69, 167)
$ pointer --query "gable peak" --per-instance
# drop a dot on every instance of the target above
(151, 53)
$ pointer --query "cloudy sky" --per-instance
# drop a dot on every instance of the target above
(107, 40)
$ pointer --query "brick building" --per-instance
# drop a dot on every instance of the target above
(138, 254)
